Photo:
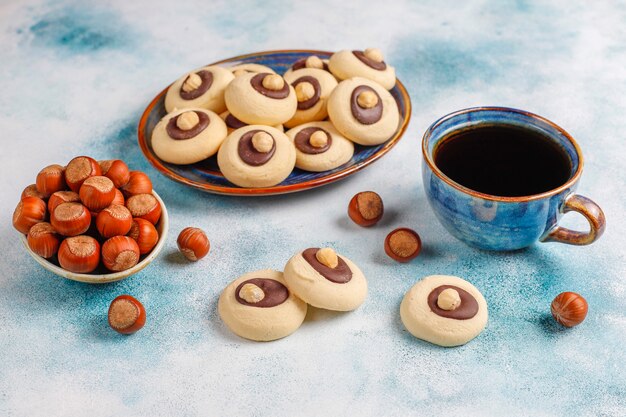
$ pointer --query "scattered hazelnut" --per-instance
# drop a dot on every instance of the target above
(193, 243)
(251, 293)
(569, 309)
(304, 91)
(262, 142)
(328, 257)
(374, 54)
(126, 314)
(367, 99)
(273, 82)
(403, 244)
(318, 139)
(80, 254)
(187, 120)
(29, 212)
(192, 82)
(449, 299)
(366, 208)
(314, 62)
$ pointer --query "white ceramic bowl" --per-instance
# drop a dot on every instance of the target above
(162, 227)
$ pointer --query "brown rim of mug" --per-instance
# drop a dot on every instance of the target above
(572, 180)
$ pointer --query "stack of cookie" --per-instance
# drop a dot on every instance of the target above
(241, 113)
(268, 305)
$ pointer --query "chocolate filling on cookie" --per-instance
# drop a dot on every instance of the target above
(177, 133)
(233, 122)
(339, 274)
(251, 156)
(302, 141)
(380, 66)
(465, 311)
(274, 292)
(307, 104)
(363, 115)
(301, 63)
(207, 81)
(257, 84)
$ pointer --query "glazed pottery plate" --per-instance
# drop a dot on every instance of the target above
(205, 175)
(102, 275)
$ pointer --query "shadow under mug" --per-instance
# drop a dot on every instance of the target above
(506, 223)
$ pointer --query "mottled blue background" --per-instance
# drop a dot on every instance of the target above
(75, 78)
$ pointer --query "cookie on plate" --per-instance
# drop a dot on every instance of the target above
(256, 156)
(363, 111)
(258, 306)
(242, 69)
(320, 147)
(312, 61)
(326, 280)
(203, 88)
(263, 98)
(312, 86)
(444, 310)
(232, 123)
(368, 64)
(188, 136)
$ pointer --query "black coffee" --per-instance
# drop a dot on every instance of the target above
(503, 161)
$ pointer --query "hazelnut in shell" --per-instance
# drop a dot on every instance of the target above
(70, 219)
(145, 234)
(569, 309)
(29, 212)
(78, 170)
(43, 240)
(114, 220)
(144, 206)
(80, 254)
(51, 179)
(366, 208)
(403, 244)
(97, 192)
(138, 183)
(193, 243)
(117, 171)
(120, 253)
(126, 314)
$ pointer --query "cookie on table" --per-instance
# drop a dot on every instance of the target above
(368, 64)
(363, 111)
(243, 69)
(320, 147)
(312, 86)
(188, 136)
(263, 98)
(258, 306)
(312, 61)
(232, 123)
(444, 310)
(203, 88)
(326, 280)
(256, 156)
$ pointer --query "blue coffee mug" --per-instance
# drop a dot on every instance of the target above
(506, 223)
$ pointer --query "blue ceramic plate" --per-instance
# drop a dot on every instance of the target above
(205, 175)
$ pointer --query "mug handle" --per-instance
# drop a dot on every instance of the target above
(592, 212)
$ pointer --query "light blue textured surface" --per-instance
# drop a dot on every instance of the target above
(75, 78)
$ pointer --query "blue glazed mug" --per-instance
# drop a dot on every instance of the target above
(506, 223)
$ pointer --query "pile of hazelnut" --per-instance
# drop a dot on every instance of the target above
(89, 213)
